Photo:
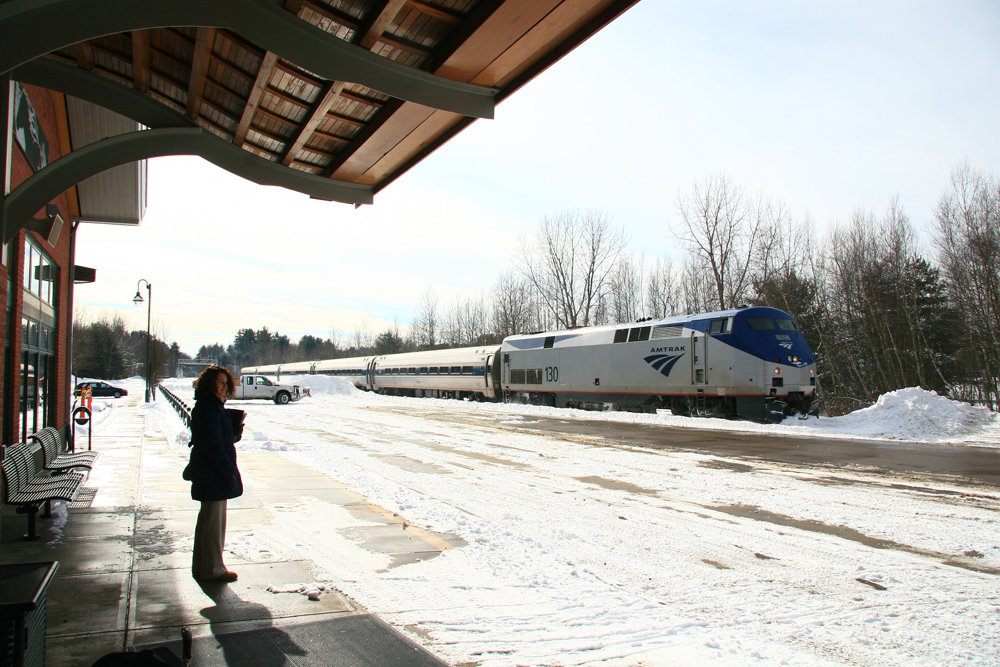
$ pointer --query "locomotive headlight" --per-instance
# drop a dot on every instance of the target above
(812, 371)
(777, 371)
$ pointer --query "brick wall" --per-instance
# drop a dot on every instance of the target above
(20, 171)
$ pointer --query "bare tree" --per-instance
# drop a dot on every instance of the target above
(513, 306)
(663, 290)
(568, 263)
(723, 229)
(968, 247)
(625, 290)
(425, 324)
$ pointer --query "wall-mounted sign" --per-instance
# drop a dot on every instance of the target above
(28, 130)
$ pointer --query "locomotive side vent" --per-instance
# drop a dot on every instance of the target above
(667, 331)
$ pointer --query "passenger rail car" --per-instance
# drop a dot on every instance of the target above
(751, 363)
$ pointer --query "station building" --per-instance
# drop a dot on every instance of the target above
(38, 261)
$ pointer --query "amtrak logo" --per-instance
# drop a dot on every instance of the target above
(663, 362)
(787, 346)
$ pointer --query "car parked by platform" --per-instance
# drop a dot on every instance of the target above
(98, 389)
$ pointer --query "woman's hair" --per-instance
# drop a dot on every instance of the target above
(207, 379)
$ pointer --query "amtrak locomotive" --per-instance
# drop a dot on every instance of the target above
(750, 363)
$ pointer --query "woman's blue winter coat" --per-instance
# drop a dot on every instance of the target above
(213, 452)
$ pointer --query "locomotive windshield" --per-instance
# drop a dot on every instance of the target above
(787, 325)
(760, 323)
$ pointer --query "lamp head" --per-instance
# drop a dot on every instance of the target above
(137, 299)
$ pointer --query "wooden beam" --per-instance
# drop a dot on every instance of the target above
(405, 45)
(363, 99)
(281, 119)
(316, 151)
(282, 95)
(140, 60)
(436, 12)
(84, 56)
(319, 112)
(222, 62)
(346, 119)
(227, 113)
(326, 11)
(199, 70)
(298, 74)
(270, 135)
(271, 154)
(382, 15)
(250, 110)
(108, 52)
(331, 137)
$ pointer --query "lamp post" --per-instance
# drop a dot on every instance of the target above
(149, 313)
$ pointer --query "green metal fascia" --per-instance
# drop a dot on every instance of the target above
(32, 28)
(34, 193)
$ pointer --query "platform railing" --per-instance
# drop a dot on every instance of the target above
(180, 406)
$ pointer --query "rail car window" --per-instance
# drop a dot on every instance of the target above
(433, 370)
(638, 334)
(424, 370)
(621, 336)
(787, 325)
(466, 370)
(718, 326)
(395, 371)
(517, 376)
(760, 323)
(411, 371)
(549, 341)
(455, 370)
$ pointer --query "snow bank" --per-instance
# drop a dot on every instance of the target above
(324, 384)
(911, 414)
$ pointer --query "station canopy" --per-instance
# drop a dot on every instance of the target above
(332, 98)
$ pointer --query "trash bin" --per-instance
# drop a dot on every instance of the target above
(22, 613)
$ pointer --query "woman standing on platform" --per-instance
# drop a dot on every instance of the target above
(212, 471)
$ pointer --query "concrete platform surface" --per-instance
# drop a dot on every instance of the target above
(124, 549)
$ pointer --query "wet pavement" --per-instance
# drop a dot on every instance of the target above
(124, 549)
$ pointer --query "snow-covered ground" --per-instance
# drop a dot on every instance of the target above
(585, 555)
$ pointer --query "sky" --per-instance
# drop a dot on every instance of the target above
(829, 107)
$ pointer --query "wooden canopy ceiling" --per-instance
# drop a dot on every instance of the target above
(335, 98)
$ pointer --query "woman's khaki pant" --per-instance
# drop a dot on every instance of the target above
(209, 541)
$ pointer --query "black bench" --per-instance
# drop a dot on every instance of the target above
(54, 455)
(27, 489)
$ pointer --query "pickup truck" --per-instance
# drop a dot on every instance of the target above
(258, 386)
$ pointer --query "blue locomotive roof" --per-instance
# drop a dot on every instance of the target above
(767, 333)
